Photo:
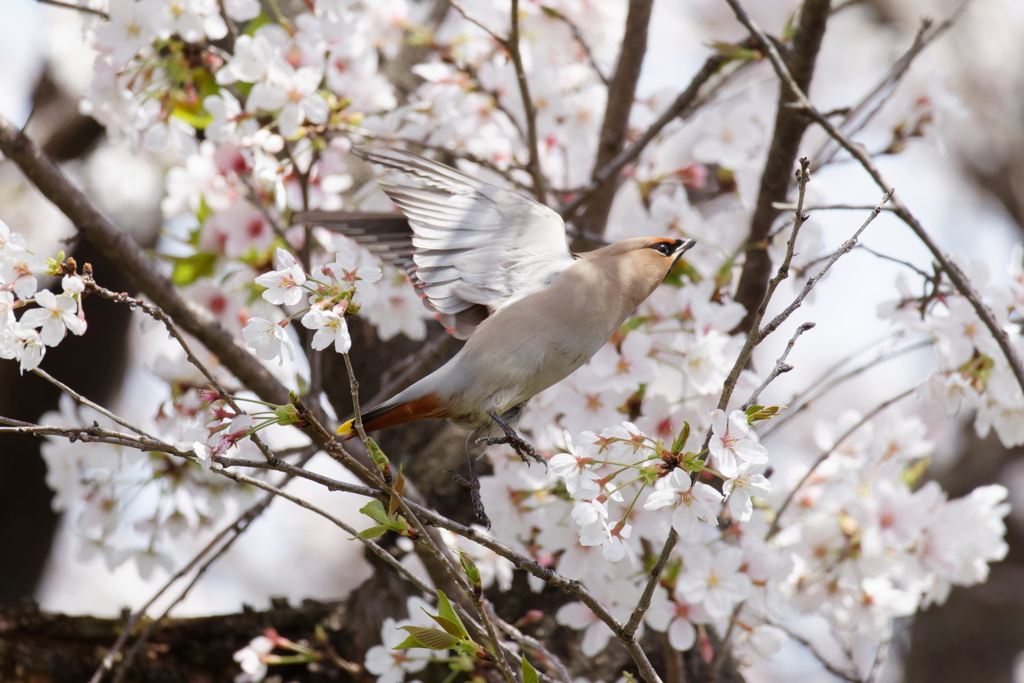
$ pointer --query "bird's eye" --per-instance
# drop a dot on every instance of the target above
(663, 248)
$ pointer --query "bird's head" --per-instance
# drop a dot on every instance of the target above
(641, 263)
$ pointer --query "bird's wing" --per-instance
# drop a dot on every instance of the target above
(388, 235)
(476, 247)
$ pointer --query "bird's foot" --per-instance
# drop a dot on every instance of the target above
(522, 447)
(473, 484)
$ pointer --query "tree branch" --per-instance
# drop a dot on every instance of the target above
(790, 125)
(529, 111)
(619, 104)
(781, 366)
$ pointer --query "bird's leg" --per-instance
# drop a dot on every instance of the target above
(473, 484)
(518, 444)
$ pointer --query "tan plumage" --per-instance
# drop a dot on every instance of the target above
(495, 265)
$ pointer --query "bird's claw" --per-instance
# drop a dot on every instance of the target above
(473, 484)
(459, 479)
(522, 447)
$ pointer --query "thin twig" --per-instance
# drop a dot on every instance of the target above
(483, 609)
(774, 529)
(886, 257)
(806, 397)
(776, 179)
(529, 111)
(880, 656)
(580, 40)
(753, 336)
(843, 249)
(87, 402)
(829, 666)
(629, 630)
(529, 642)
(80, 8)
(785, 206)
(781, 366)
(722, 651)
(158, 314)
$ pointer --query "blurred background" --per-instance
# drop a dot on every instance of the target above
(965, 182)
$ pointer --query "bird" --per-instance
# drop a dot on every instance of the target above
(495, 267)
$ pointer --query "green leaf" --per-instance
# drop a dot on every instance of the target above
(376, 454)
(469, 567)
(190, 268)
(731, 51)
(373, 532)
(430, 638)
(529, 673)
(680, 443)
(445, 611)
(755, 413)
(448, 626)
(375, 511)
(409, 642)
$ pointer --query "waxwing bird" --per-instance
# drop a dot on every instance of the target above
(496, 268)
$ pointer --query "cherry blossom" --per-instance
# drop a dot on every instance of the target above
(267, 339)
(330, 327)
(284, 285)
(21, 342)
(714, 579)
(56, 315)
(128, 30)
(11, 243)
(6, 310)
(388, 664)
(676, 617)
(18, 272)
(193, 20)
(742, 486)
(732, 444)
(294, 93)
(575, 468)
(692, 501)
(251, 659)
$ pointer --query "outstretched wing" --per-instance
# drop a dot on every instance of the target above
(475, 247)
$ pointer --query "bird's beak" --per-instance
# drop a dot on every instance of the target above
(681, 246)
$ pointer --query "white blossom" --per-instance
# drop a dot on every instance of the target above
(56, 315)
(691, 501)
(742, 486)
(267, 339)
(284, 285)
(331, 328)
(732, 444)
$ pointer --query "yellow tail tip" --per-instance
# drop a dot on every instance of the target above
(345, 429)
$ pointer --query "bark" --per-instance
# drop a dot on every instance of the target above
(615, 125)
(790, 124)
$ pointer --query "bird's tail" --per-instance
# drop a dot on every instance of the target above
(390, 415)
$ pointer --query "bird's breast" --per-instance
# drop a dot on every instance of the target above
(531, 344)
